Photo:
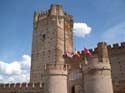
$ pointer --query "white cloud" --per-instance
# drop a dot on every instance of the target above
(25, 62)
(18, 78)
(1, 78)
(13, 68)
(81, 29)
(16, 71)
(115, 34)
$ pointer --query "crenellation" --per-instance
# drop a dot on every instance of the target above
(18, 85)
(7, 85)
(116, 45)
(95, 51)
(39, 16)
(36, 17)
(68, 15)
(82, 52)
(43, 13)
(109, 47)
(14, 85)
(123, 44)
(101, 44)
(27, 85)
(116, 49)
(91, 50)
(69, 18)
(21, 85)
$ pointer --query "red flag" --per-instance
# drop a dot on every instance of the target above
(87, 52)
(69, 54)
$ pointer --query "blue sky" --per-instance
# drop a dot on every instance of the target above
(106, 18)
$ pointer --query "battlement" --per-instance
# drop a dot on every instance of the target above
(57, 67)
(55, 10)
(21, 85)
(101, 53)
(110, 47)
(116, 46)
(102, 44)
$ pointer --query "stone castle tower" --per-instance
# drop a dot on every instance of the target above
(97, 74)
(52, 37)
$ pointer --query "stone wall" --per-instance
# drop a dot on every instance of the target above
(117, 60)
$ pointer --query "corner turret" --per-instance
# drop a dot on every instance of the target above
(97, 75)
(55, 78)
(35, 19)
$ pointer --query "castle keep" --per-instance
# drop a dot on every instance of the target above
(53, 72)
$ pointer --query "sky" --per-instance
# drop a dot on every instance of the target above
(94, 21)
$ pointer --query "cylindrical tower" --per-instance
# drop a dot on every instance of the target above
(102, 52)
(55, 78)
(97, 75)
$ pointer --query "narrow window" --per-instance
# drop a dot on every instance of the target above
(44, 36)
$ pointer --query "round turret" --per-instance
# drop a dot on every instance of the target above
(97, 74)
(97, 78)
(56, 78)
(102, 52)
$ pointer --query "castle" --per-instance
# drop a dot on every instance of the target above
(53, 72)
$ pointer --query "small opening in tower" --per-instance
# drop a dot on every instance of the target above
(44, 36)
